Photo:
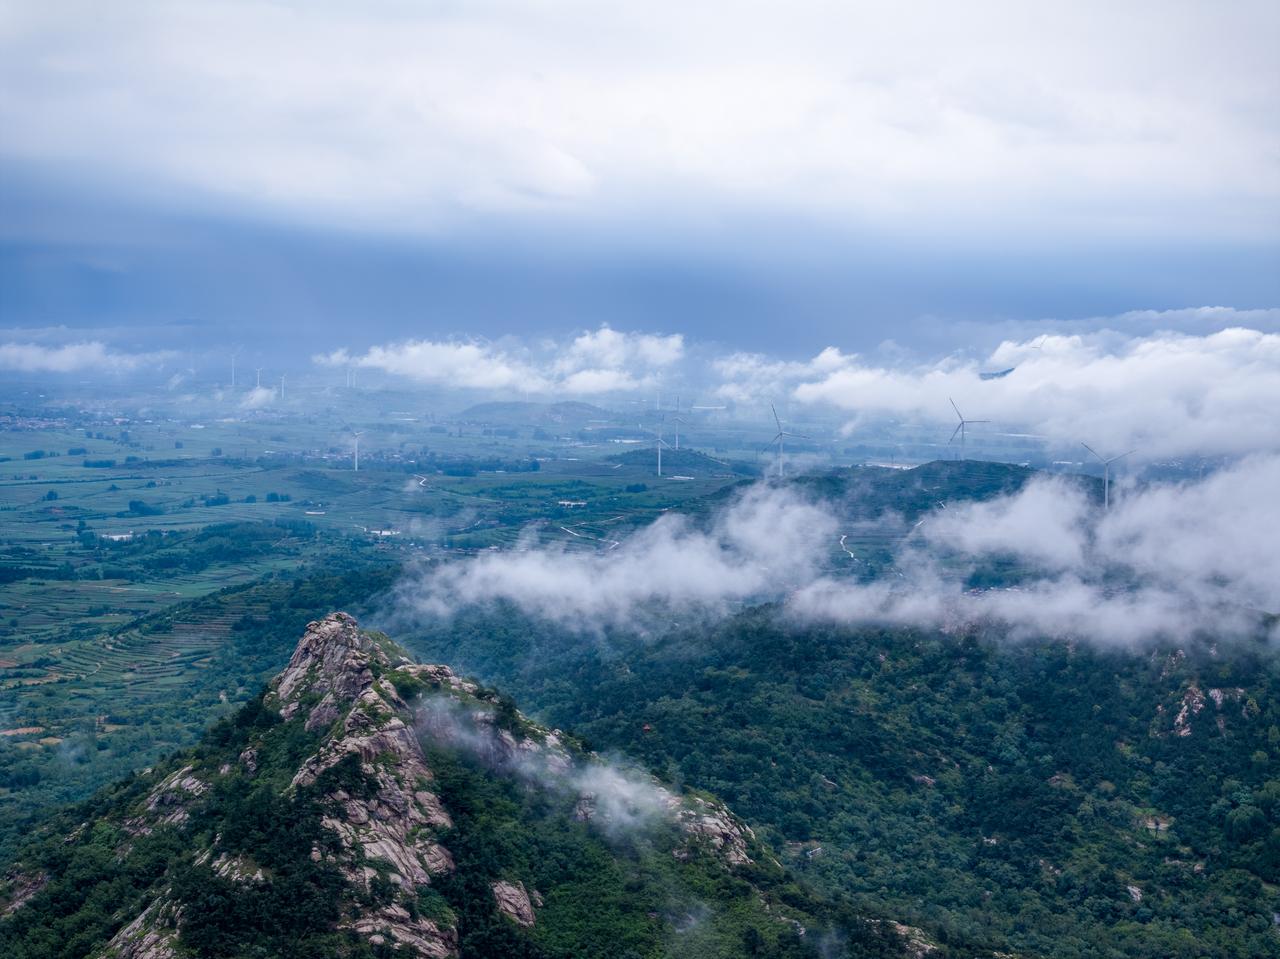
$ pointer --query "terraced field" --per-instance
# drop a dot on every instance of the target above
(85, 709)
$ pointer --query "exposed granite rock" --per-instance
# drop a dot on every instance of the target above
(237, 868)
(715, 825)
(332, 680)
(917, 944)
(167, 803)
(151, 935)
(513, 901)
(18, 887)
(1192, 703)
(394, 925)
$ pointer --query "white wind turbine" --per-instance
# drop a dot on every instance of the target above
(781, 435)
(1106, 472)
(356, 434)
(677, 419)
(282, 387)
(659, 442)
(234, 355)
(961, 429)
(258, 382)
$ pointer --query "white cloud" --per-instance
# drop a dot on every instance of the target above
(593, 363)
(1167, 393)
(1165, 561)
(764, 541)
(87, 357)
(412, 115)
(610, 349)
(462, 365)
(1197, 390)
(1041, 525)
(257, 398)
(747, 377)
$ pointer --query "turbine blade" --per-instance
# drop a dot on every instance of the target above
(1094, 452)
(957, 432)
(956, 408)
(775, 417)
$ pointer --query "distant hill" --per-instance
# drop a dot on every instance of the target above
(684, 462)
(865, 492)
(541, 414)
(870, 490)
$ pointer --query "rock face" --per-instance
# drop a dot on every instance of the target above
(392, 826)
(389, 830)
(713, 824)
(19, 887)
(513, 901)
(167, 803)
(150, 936)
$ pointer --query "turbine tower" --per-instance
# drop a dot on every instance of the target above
(677, 419)
(961, 429)
(659, 442)
(357, 434)
(1106, 473)
(258, 382)
(281, 387)
(779, 438)
(234, 354)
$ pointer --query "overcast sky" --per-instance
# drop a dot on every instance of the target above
(774, 179)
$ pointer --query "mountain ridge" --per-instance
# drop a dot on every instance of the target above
(327, 815)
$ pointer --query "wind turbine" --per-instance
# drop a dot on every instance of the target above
(677, 419)
(1106, 473)
(258, 383)
(357, 434)
(234, 353)
(961, 428)
(659, 441)
(781, 434)
(281, 387)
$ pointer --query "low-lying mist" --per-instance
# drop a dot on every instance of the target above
(1167, 561)
(614, 797)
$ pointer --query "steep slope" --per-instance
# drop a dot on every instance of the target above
(366, 805)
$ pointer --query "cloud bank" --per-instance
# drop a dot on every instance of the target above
(1167, 561)
(765, 541)
(1168, 393)
(1199, 388)
(410, 116)
(594, 362)
(91, 356)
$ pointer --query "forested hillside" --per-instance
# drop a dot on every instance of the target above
(1056, 798)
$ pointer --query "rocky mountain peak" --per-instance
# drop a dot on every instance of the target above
(331, 660)
(381, 826)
